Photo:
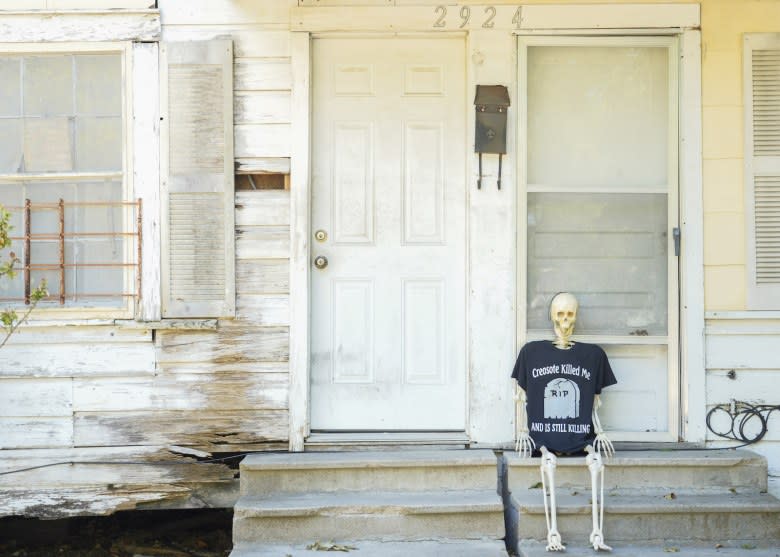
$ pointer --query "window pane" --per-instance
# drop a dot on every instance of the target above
(48, 85)
(609, 250)
(598, 116)
(11, 198)
(99, 85)
(10, 145)
(98, 143)
(47, 145)
(10, 92)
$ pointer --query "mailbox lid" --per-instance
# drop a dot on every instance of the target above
(491, 96)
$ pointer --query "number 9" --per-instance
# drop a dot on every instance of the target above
(465, 15)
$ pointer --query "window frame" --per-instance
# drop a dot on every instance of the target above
(127, 308)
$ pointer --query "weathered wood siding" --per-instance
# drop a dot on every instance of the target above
(262, 71)
(749, 347)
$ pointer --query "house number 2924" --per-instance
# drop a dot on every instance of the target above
(464, 17)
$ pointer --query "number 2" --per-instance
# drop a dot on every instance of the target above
(442, 11)
(489, 21)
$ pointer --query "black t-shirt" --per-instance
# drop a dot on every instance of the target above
(560, 386)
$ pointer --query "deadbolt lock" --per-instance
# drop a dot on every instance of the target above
(320, 261)
(320, 235)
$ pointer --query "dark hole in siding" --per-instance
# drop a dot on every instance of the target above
(252, 182)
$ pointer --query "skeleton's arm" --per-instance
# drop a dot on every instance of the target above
(602, 444)
(524, 445)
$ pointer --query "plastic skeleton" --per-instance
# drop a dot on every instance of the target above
(563, 312)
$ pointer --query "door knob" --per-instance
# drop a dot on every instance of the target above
(320, 261)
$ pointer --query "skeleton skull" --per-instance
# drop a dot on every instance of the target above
(563, 313)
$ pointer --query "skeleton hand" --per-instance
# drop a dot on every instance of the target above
(554, 541)
(603, 445)
(524, 446)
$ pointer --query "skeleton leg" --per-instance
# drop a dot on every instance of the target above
(554, 542)
(596, 466)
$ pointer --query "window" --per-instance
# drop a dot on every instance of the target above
(63, 176)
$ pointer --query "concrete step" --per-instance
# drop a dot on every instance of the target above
(679, 471)
(420, 470)
(375, 515)
(629, 518)
(428, 548)
(666, 549)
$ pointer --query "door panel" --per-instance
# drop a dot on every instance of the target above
(388, 188)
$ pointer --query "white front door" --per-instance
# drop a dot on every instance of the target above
(599, 138)
(388, 213)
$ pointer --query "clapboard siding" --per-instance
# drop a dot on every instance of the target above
(749, 347)
(199, 429)
(36, 397)
(77, 360)
(262, 309)
(36, 432)
(742, 351)
(262, 107)
(262, 140)
(237, 346)
(257, 42)
(207, 392)
(257, 242)
(240, 13)
(262, 208)
(262, 276)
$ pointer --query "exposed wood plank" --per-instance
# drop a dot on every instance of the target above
(198, 429)
(54, 26)
(248, 43)
(217, 369)
(34, 432)
(230, 346)
(146, 171)
(89, 468)
(263, 208)
(262, 276)
(742, 352)
(262, 74)
(74, 360)
(263, 309)
(35, 397)
(241, 12)
(233, 391)
(263, 165)
(298, 238)
(262, 107)
(262, 140)
(87, 334)
(257, 242)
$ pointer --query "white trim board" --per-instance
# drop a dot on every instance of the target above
(444, 18)
(92, 26)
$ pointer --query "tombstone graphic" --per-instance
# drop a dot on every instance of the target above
(561, 399)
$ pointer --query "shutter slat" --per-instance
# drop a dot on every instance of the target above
(766, 210)
(198, 276)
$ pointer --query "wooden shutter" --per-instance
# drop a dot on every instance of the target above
(198, 278)
(762, 168)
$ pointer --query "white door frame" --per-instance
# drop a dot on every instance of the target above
(624, 19)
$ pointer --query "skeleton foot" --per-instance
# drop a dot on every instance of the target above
(549, 462)
(554, 542)
(596, 467)
(597, 541)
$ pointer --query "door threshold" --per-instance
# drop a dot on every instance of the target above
(385, 440)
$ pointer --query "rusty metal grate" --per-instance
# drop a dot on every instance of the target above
(133, 231)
